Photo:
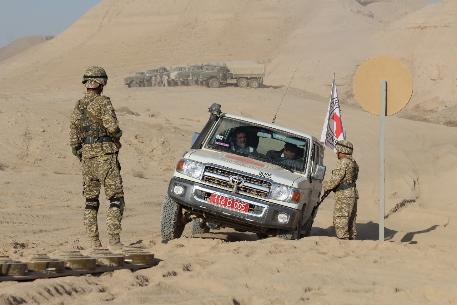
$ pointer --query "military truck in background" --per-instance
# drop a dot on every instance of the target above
(214, 75)
(136, 80)
(177, 75)
(242, 74)
(153, 77)
(245, 74)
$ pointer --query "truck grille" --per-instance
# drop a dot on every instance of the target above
(250, 186)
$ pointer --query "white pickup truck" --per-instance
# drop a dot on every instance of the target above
(247, 175)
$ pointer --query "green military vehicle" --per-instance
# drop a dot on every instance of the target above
(136, 80)
(153, 77)
(242, 74)
(213, 76)
(185, 75)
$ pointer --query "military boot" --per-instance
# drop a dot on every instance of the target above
(115, 242)
(95, 243)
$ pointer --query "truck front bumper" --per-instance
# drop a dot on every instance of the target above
(262, 215)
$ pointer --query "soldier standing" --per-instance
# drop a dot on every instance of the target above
(343, 183)
(95, 140)
(165, 80)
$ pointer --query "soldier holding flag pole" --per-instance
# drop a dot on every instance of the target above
(343, 178)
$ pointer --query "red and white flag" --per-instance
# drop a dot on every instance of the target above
(333, 130)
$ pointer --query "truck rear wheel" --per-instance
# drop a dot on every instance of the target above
(171, 220)
(214, 83)
(242, 82)
(254, 83)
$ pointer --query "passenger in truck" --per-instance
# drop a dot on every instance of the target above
(288, 156)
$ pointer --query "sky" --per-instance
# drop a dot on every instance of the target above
(19, 18)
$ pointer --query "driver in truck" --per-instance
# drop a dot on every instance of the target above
(288, 156)
(240, 145)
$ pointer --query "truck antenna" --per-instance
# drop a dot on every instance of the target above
(284, 95)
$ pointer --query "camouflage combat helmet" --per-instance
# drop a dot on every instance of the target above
(344, 147)
(95, 76)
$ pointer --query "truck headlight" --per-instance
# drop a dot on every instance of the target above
(280, 192)
(190, 168)
(284, 193)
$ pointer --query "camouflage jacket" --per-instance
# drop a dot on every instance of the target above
(343, 179)
(101, 111)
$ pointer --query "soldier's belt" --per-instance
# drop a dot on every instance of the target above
(93, 140)
(346, 186)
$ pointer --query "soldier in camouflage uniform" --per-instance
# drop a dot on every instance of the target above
(95, 140)
(343, 183)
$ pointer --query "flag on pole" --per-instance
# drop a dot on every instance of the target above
(333, 130)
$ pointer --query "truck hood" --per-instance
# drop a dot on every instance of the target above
(250, 166)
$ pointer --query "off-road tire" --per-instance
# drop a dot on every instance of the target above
(242, 82)
(171, 220)
(199, 227)
(214, 83)
(254, 83)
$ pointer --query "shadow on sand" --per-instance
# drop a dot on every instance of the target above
(365, 231)
(369, 231)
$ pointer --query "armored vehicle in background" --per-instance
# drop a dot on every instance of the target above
(242, 74)
(178, 76)
(213, 76)
(137, 80)
(259, 186)
(153, 77)
(188, 76)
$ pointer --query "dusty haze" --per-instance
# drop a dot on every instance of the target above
(301, 42)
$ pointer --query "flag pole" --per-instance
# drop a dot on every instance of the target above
(382, 180)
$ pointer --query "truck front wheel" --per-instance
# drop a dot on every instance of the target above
(242, 82)
(254, 83)
(199, 226)
(171, 220)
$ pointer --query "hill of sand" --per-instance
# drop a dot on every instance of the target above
(20, 45)
(40, 180)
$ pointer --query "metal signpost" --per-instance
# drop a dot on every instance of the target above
(390, 79)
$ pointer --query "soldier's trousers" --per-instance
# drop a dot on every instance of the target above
(344, 217)
(103, 171)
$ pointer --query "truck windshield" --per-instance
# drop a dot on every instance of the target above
(261, 143)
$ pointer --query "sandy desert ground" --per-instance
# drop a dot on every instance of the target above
(40, 180)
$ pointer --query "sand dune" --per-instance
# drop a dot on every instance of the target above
(40, 180)
(20, 45)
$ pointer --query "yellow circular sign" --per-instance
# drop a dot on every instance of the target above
(367, 80)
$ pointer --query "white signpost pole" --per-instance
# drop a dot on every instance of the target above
(382, 117)
(369, 76)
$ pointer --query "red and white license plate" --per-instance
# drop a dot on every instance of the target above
(229, 203)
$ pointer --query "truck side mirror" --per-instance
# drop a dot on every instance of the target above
(194, 137)
(319, 172)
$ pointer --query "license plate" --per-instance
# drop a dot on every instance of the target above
(229, 203)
